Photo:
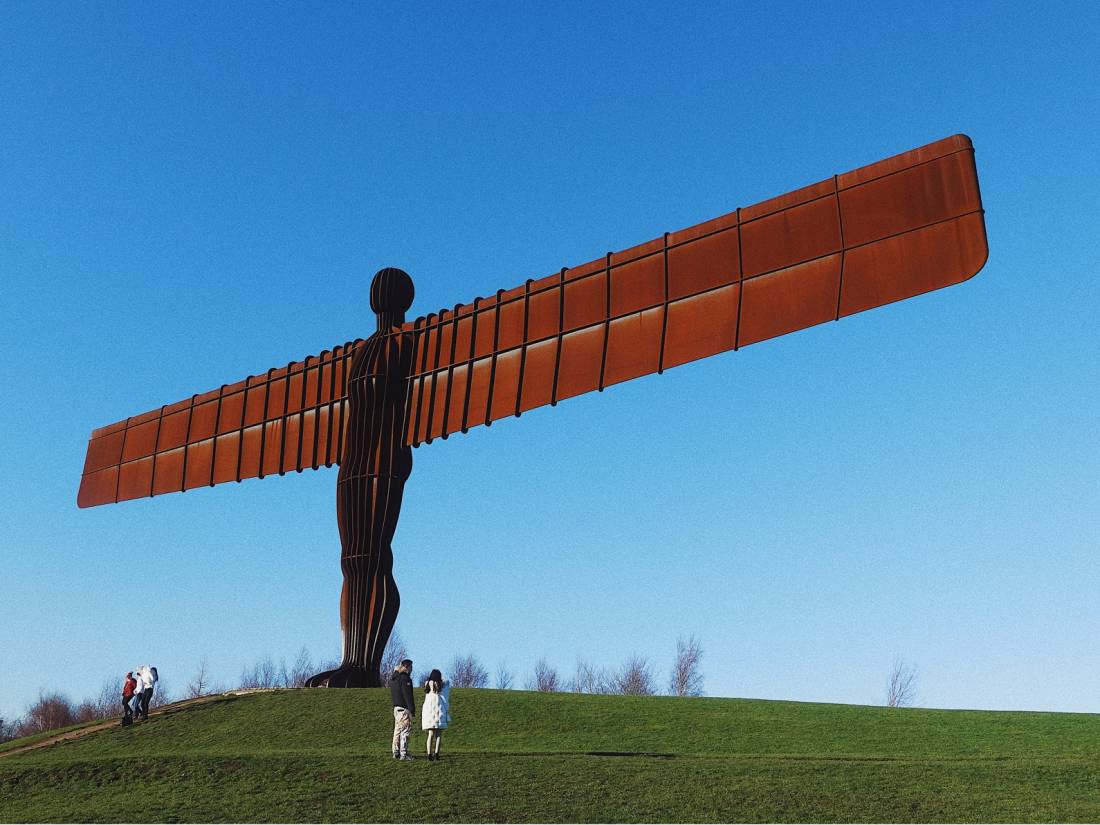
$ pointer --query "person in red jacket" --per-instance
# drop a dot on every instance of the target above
(128, 694)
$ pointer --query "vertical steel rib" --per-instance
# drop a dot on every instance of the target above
(607, 317)
(523, 343)
(560, 336)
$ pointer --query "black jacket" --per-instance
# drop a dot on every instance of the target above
(401, 691)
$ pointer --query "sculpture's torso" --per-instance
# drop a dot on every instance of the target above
(377, 394)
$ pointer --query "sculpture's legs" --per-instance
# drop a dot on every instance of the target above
(367, 508)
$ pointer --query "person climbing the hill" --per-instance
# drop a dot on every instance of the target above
(127, 694)
(148, 676)
(404, 708)
(435, 712)
(139, 690)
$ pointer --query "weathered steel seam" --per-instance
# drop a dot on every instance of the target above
(765, 273)
(214, 436)
(664, 314)
(523, 345)
(470, 368)
(187, 441)
(740, 284)
(302, 415)
(843, 247)
(264, 420)
(156, 440)
(493, 364)
(560, 335)
(607, 320)
(332, 456)
(701, 236)
(425, 340)
(324, 396)
(240, 427)
(893, 172)
(283, 419)
(345, 357)
(415, 341)
(435, 380)
(122, 447)
(450, 373)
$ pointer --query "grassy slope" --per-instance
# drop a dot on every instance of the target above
(324, 755)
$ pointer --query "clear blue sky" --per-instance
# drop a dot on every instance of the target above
(191, 195)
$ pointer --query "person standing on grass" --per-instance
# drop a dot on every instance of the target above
(128, 687)
(404, 708)
(148, 678)
(139, 691)
(435, 712)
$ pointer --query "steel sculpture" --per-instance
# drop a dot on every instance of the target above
(885, 232)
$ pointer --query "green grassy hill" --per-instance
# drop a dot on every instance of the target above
(516, 756)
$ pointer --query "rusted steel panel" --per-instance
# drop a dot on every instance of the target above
(702, 325)
(795, 235)
(881, 233)
(173, 448)
(789, 299)
(838, 246)
(914, 263)
(708, 262)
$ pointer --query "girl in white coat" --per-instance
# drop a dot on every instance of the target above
(435, 711)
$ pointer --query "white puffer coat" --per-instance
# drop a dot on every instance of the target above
(436, 710)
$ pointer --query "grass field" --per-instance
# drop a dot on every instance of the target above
(516, 756)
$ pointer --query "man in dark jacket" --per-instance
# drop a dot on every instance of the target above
(404, 708)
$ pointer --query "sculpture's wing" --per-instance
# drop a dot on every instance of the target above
(897, 228)
(884, 232)
(289, 418)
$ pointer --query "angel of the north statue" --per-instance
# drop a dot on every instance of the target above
(881, 233)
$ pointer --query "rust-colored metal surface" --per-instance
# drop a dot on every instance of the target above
(881, 233)
(906, 225)
(894, 229)
(372, 478)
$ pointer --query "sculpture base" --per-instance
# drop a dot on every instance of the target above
(345, 676)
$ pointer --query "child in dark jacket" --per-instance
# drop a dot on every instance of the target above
(128, 694)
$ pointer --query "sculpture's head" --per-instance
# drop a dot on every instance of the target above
(391, 294)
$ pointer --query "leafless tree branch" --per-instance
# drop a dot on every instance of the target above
(686, 679)
(901, 691)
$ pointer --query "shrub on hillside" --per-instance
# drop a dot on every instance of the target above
(545, 678)
(686, 679)
(634, 678)
(590, 679)
(505, 677)
(466, 671)
(51, 711)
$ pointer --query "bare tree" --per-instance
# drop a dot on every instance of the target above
(686, 679)
(505, 677)
(545, 678)
(590, 679)
(394, 653)
(87, 711)
(263, 674)
(106, 705)
(466, 671)
(162, 694)
(299, 672)
(50, 712)
(901, 691)
(200, 682)
(634, 678)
